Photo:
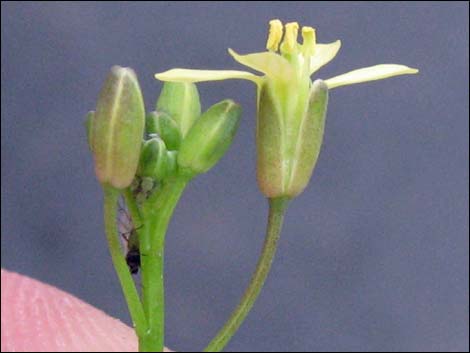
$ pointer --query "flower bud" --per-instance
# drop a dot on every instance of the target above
(162, 124)
(286, 157)
(118, 127)
(153, 160)
(181, 102)
(209, 137)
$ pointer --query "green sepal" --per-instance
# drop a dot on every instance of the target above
(310, 138)
(286, 157)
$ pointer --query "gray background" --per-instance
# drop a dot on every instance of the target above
(374, 254)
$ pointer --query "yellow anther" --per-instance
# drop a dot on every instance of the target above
(275, 35)
(289, 45)
(309, 40)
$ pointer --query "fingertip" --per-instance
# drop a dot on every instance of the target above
(38, 317)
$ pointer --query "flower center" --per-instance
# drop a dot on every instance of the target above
(297, 54)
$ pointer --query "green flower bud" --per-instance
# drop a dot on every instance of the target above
(89, 128)
(181, 101)
(118, 127)
(153, 160)
(162, 124)
(209, 138)
(286, 157)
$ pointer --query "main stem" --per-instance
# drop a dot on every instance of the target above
(277, 208)
(157, 212)
(125, 278)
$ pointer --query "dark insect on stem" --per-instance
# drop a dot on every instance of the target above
(131, 240)
(133, 252)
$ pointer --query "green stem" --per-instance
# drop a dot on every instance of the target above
(277, 208)
(128, 287)
(157, 212)
(133, 208)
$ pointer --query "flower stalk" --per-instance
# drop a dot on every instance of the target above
(130, 292)
(157, 212)
(277, 209)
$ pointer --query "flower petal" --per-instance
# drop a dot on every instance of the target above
(371, 73)
(186, 75)
(324, 53)
(271, 64)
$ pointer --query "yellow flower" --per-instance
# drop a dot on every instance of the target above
(288, 101)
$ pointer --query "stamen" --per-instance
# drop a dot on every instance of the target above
(275, 35)
(309, 41)
(289, 45)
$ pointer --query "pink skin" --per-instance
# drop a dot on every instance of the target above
(39, 317)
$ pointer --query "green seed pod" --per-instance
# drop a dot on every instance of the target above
(181, 101)
(286, 157)
(118, 127)
(89, 128)
(162, 124)
(153, 160)
(209, 137)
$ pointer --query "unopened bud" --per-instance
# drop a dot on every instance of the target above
(181, 102)
(118, 127)
(162, 124)
(153, 160)
(209, 138)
